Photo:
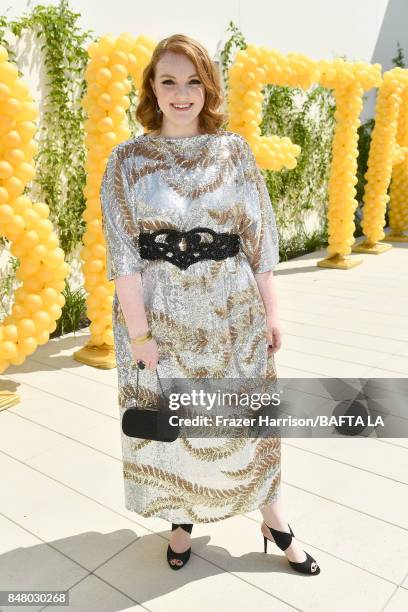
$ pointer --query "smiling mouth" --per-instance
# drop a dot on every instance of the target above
(183, 107)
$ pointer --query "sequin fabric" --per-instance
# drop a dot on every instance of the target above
(208, 320)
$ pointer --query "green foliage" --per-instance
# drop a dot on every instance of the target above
(235, 41)
(60, 172)
(294, 193)
(399, 59)
(364, 142)
(6, 287)
(310, 125)
(73, 312)
(60, 162)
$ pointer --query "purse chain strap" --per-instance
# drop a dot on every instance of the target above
(137, 384)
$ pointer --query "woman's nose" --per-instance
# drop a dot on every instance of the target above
(182, 91)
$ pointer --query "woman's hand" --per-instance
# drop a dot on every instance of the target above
(274, 334)
(148, 352)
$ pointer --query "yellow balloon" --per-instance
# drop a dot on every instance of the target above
(119, 72)
(106, 44)
(8, 350)
(41, 209)
(118, 57)
(54, 311)
(11, 107)
(6, 170)
(42, 337)
(4, 196)
(6, 213)
(33, 302)
(29, 239)
(105, 125)
(20, 90)
(54, 258)
(14, 156)
(104, 101)
(8, 73)
(10, 332)
(41, 318)
(26, 129)
(28, 111)
(116, 90)
(11, 139)
(25, 172)
(28, 345)
(103, 76)
(44, 229)
(26, 327)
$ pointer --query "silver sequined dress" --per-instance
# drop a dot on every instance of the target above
(208, 320)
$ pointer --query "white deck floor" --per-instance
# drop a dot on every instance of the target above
(63, 524)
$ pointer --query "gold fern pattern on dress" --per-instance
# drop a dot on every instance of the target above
(236, 332)
(136, 174)
(260, 337)
(138, 147)
(271, 368)
(202, 161)
(247, 295)
(165, 503)
(266, 449)
(137, 446)
(145, 397)
(244, 225)
(213, 453)
(172, 332)
(173, 502)
(271, 495)
(184, 191)
(261, 474)
(153, 149)
(153, 225)
(203, 281)
(252, 243)
(117, 313)
(173, 483)
(231, 214)
(194, 494)
(130, 226)
(220, 372)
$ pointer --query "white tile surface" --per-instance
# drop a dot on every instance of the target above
(62, 511)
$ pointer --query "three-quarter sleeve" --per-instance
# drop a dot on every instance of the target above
(259, 237)
(118, 222)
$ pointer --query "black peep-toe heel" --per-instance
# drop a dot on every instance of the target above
(183, 556)
(283, 540)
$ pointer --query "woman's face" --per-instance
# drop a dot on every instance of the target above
(177, 82)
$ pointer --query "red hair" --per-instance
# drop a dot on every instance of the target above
(210, 119)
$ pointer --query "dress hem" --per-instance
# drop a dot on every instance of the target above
(186, 518)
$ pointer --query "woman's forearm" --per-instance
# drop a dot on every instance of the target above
(129, 290)
(268, 291)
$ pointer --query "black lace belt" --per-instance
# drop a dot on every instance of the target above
(185, 248)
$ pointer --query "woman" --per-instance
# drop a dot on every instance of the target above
(208, 317)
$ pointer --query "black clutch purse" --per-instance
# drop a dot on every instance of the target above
(150, 423)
